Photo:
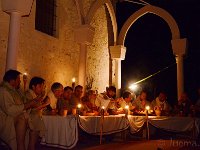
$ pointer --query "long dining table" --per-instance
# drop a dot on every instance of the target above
(118, 123)
(62, 132)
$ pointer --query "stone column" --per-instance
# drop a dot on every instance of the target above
(117, 54)
(13, 40)
(16, 9)
(84, 36)
(179, 48)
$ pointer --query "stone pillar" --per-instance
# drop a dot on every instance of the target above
(179, 47)
(117, 54)
(84, 36)
(16, 9)
(13, 40)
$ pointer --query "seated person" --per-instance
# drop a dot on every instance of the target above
(63, 102)
(125, 101)
(36, 124)
(76, 97)
(52, 97)
(184, 106)
(88, 102)
(107, 100)
(161, 103)
(141, 102)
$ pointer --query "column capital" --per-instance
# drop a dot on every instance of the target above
(179, 46)
(84, 34)
(21, 6)
(118, 52)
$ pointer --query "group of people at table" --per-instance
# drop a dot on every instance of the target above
(21, 111)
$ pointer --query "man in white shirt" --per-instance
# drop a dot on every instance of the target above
(107, 100)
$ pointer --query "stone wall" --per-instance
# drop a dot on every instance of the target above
(56, 58)
(98, 52)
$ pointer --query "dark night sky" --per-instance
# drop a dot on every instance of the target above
(148, 44)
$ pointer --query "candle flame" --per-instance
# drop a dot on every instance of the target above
(79, 105)
(73, 80)
(126, 107)
(147, 107)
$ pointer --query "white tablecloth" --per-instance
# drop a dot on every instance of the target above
(174, 124)
(61, 131)
(111, 124)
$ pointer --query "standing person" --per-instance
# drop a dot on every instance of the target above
(13, 115)
(36, 124)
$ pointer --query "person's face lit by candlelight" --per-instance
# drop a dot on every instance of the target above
(78, 91)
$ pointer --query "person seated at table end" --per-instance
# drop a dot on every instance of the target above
(35, 122)
(184, 106)
(13, 111)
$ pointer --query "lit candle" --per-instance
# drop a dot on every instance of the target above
(102, 110)
(73, 82)
(147, 109)
(126, 110)
(79, 108)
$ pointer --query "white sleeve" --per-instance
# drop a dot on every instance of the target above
(8, 105)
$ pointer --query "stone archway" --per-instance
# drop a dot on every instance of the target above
(88, 32)
(178, 45)
(111, 11)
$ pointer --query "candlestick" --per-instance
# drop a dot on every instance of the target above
(147, 109)
(101, 122)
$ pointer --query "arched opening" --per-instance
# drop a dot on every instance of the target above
(178, 46)
(147, 57)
